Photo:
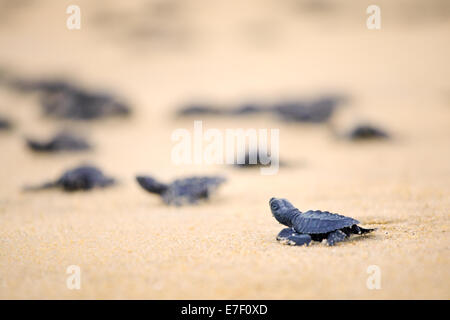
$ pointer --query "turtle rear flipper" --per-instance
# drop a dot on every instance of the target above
(336, 236)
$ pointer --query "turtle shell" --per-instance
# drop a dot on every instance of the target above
(316, 221)
(191, 189)
(84, 178)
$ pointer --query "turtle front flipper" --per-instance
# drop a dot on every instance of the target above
(335, 236)
(290, 237)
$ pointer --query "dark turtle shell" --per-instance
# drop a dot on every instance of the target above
(84, 178)
(191, 189)
(63, 141)
(316, 221)
(182, 191)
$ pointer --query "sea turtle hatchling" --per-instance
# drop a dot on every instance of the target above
(182, 191)
(80, 178)
(65, 100)
(5, 124)
(366, 132)
(312, 225)
(319, 110)
(62, 141)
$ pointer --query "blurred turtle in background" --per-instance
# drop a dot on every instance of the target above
(61, 99)
(366, 132)
(5, 124)
(209, 110)
(318, 110)
(182, 191)
(199, 110)
(315, 111)
(255, 159)
(84, 177)
(62, 141)
(359, 132)
(248, 109)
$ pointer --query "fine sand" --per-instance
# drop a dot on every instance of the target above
(158, 57)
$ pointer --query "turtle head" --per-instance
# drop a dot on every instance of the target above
(151, 185)
(282, 210)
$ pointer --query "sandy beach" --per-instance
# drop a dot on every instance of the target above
(161, 55)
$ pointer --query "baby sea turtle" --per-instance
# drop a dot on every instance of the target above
(82, 105)
(65, 100)
(315, 111)
(254, 159)
(209, 110)
(312, 225)
(247, 109)
(251, 159)
(5, 124)
(366, 132)
(63, 141)
(80, 178)
(43, 85)
(182, 191)
(318, 110)
(198, 110)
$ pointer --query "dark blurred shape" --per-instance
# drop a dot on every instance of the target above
(46, 86)
(80, 178)
(152, 185)
(64, 100)
(82, 105)
(316, 111)
(199, 109)
(248, 108)
(313, 111)
(182, 191)
(205, 109)
(252, 159)
(5, 124)
(62, 141)
(366, 132)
